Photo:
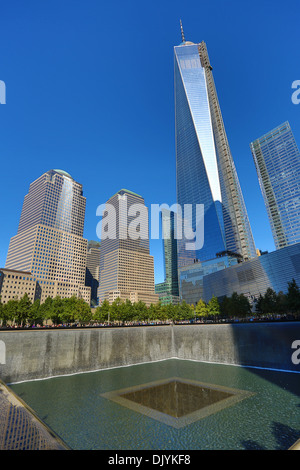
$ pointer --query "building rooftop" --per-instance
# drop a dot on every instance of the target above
(62, 172)
(123, 191)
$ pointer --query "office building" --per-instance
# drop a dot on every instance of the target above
(168, 290)
(15, 284)
(277, 161)
(49, 243)
(255, 276)
(205, 170)
(126, 266)
(92, 269)
(191, 277)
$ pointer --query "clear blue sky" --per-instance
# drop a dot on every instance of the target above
(90, 91)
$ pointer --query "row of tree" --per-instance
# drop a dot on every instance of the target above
(238, 305)
(272, 302)
(125, 311)
(24, 312)
(73, 310)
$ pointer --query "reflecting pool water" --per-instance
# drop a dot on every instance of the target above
(207, 406)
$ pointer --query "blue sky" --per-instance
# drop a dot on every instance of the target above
(89, 89)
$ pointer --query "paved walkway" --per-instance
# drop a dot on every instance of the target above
(20, 428)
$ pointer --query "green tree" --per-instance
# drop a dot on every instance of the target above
(293, 297)
(201, 309)
(35, 314)
(225, 307)
(102, 312)
(46, 309)
(237, 305)
(5, 316)
(115, 310)
(162, 313)
(69, 310)
(184, 312)
(259, 305)
(57, 310)
(154, 311)
(269, 303)
(213, 307)
(10, 310)
(128, 311)
(23, 310)
(244, 306)
(83, 311)
(2, 320)
(139, 311)
(281, 303)
(171, 311)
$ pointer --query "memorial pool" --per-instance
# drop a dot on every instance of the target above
(241, 408)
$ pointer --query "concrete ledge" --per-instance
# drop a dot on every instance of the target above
(35, 354)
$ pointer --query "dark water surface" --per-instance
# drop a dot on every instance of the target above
(74, 407)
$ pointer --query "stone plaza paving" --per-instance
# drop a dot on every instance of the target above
(20, 428)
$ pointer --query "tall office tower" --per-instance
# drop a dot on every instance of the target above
(205, 169)
(170, 251)
(49, 243)
(277, 160)
(168, 290)
(92, 269)
(126, 267)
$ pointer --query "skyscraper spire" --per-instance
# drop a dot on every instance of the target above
(206, 172)
(182, 33)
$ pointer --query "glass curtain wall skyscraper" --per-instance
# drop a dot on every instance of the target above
(170, 251)
(168, 290)
(277, 160)
(49, 243)
(205, 170)
(92, 269)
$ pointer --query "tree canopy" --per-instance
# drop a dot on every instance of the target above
(73, 310)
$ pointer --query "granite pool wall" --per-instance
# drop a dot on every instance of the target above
(36, 354)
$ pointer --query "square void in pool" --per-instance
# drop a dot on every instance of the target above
(175, 401)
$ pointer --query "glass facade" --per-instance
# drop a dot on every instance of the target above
(92, 269)
(277, 161)
(253, 277)
(168, 290)
(204, 166)
(191, 277)
(170, 252)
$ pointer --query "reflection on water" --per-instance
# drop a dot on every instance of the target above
(264, 412)
(176, 398)
(176, 401)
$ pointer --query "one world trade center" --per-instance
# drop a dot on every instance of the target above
(205, 171)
